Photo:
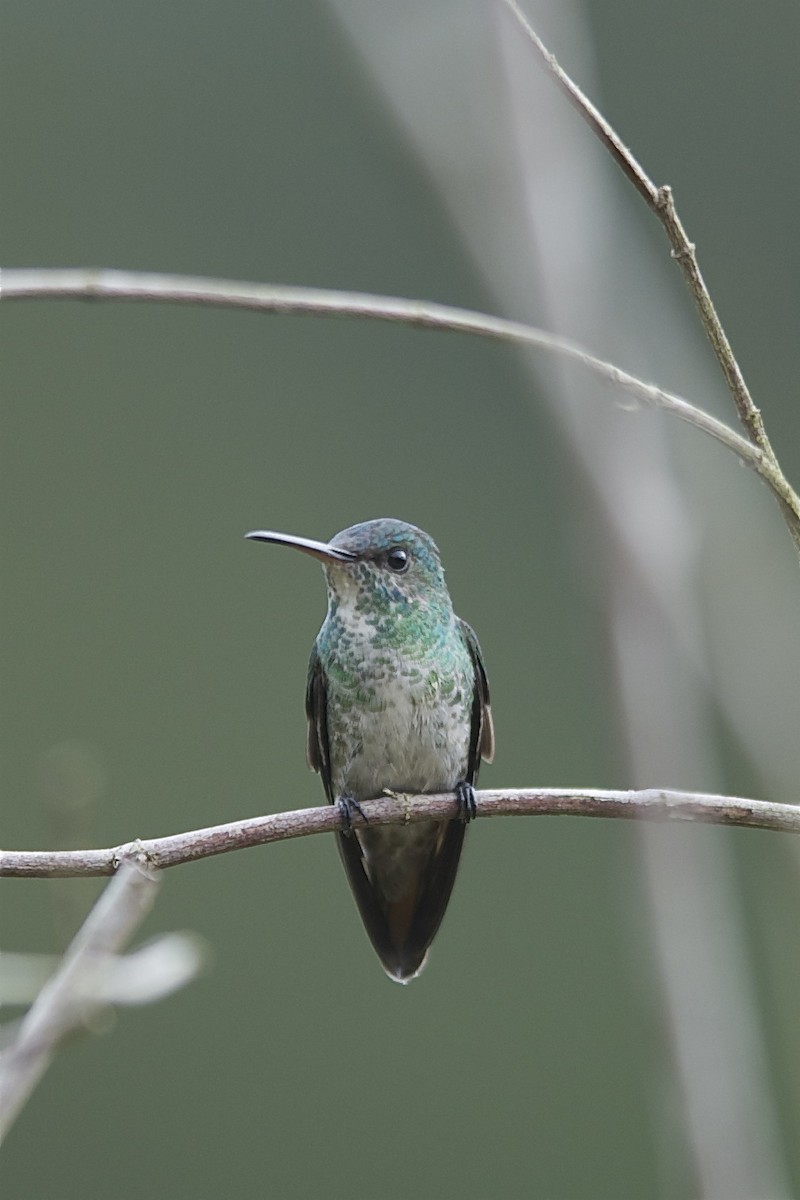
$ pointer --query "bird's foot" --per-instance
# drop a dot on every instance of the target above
(467, 804)
(347, 805)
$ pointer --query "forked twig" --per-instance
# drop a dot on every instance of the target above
(69, 999)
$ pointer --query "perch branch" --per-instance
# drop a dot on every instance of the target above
(652, 804)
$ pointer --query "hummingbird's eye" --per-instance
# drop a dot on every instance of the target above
(397, 560)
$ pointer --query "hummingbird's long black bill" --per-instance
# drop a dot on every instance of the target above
(321, 550)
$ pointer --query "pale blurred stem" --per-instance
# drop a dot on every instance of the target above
(91, 284)
(661, 202)
(650, 804)
(66, 1003)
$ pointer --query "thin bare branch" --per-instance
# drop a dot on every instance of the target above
(624, 158)
(651, 804)
(661, 202)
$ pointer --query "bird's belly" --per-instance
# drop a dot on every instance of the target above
(408, 742)
(404, 746)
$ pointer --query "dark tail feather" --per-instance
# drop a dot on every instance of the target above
(401, 931)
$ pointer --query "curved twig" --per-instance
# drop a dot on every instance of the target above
(135, 286)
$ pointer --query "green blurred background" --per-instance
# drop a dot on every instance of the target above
(154, 662)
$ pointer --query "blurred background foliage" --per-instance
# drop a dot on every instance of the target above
(154, 662)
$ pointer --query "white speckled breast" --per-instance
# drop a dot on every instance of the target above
(408, 742)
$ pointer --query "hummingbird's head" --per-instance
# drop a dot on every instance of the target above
(384, 564)
(394, 558)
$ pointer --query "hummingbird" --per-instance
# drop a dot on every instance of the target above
(397, 701)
